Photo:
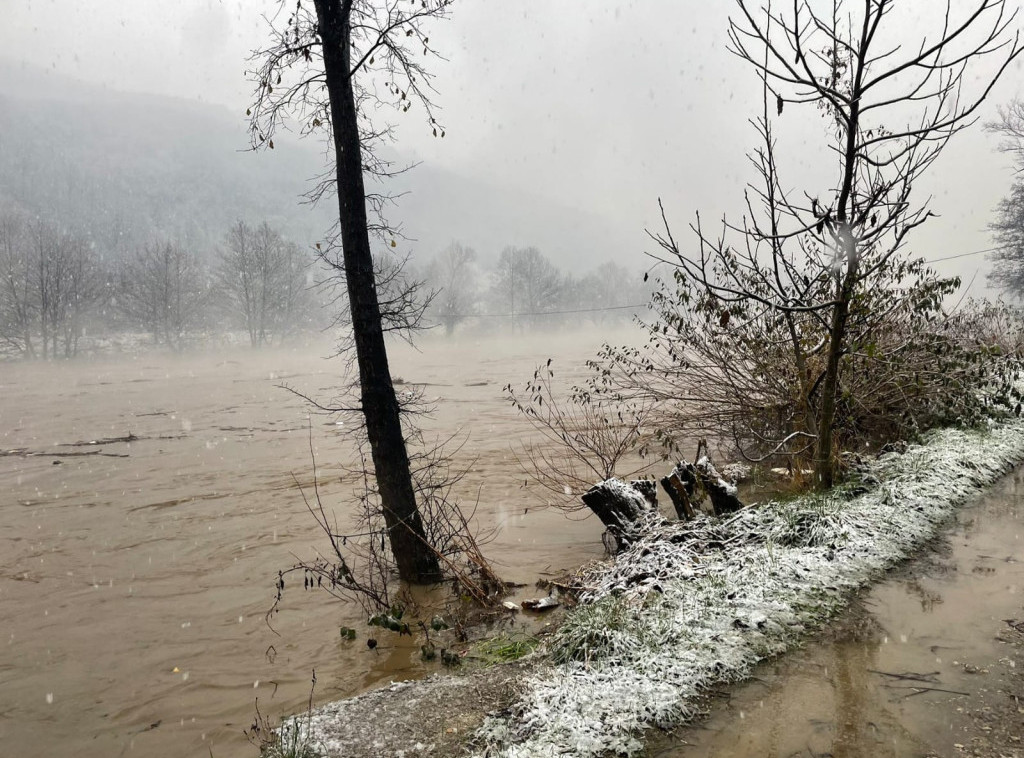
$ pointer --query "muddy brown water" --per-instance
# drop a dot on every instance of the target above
(133, 584)
(884, 682)
(134, 576)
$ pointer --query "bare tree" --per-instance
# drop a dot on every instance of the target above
(294, 302)
(453, 274)
(798, 296)
(246, 278)
(610, 292)
(49, 282)
(403, 298)
(164, 288)
(66, 284)
(353, 50)
(1008, 228)
(263, 279)
(19, 304)
(1008, 233)
(527, 284)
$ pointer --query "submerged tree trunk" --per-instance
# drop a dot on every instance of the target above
(415, 559)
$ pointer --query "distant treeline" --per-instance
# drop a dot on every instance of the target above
(58, 291)
(523, 289)
(61, 295)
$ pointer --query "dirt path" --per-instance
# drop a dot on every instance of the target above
(996, 726)
(430, 717)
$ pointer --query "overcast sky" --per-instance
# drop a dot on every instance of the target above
(603, 105)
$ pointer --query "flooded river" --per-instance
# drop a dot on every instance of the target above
(135, 572)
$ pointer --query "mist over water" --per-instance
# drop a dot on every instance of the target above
(136, 574)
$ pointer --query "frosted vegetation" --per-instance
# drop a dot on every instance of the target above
(695, 604)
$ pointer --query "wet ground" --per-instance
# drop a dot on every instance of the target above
(135, 572)
(928, 663)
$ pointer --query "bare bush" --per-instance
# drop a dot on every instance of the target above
(359, 565)
(586, 438)
(808, 327)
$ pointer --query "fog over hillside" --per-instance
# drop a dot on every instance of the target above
(127, 168)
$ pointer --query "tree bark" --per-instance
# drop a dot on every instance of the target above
(722, 494)
(824, 465)
(681, 493)
(415, 559)
(687, 484)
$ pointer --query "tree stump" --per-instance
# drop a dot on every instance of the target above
(648, 488)
(680, 491)
(688, 483)
(619, 506)
(722, 494)
(616, 503)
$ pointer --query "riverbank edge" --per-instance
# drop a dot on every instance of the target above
(687, 607)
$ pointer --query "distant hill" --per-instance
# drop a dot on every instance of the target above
(127, 167)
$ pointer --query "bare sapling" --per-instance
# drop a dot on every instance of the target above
(584, 438)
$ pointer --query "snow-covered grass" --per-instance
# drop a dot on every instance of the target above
(691, 605)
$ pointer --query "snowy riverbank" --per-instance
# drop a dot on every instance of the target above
(696, 604)
(692, 605)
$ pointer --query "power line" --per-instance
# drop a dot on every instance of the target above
(547, 313)
(965, 255)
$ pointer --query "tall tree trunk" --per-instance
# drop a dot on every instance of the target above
(824, 468)
(415, 559)
(849, 254)
(824, 464)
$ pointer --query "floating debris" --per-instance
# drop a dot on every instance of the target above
(541, 604)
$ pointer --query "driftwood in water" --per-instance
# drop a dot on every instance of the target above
(543, 604)
(689, 482)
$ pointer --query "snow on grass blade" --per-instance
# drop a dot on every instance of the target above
(693, 604)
